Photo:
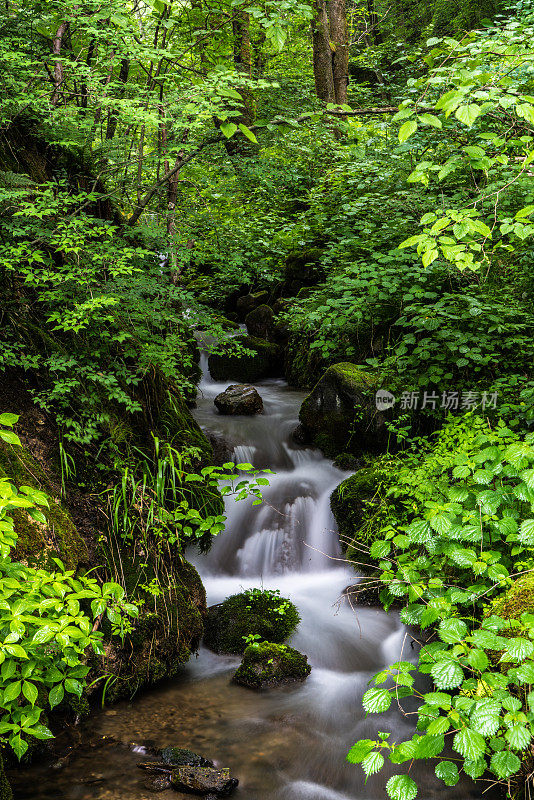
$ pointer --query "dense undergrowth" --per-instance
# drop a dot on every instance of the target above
(393, 243)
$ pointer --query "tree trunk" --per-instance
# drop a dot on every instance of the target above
(239, 145)
(58, 66)
(337, 14)
(322, 53)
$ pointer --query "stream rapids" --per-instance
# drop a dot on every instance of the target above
(288, 743)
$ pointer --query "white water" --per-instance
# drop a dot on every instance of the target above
(290, 543)
(288, 743)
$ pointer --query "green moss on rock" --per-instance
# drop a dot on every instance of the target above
(263, 362)
(5, 788)
(356, 505)
(264, 613)
(340, 414)
(58, 537)
(268, 664)
(168, 629)
(517, 600)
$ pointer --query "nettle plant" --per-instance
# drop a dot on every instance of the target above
(47, 623)
(464, 532)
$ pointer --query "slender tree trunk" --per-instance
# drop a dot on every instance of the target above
(337, 14)
(239, 145)
(58, 66)
(114, 116)
(322, 53)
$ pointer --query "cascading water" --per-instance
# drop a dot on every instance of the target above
(288, 743)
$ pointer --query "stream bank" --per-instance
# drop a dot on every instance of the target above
(284, 744)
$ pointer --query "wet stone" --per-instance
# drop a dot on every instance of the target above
(239, 399)
(158, 784)
(181, 756)
(203, 780)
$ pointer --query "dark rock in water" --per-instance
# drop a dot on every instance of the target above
(158, 784)
(266, 665)
(260, 322)
(355, 504)
(203, 780)
(301, 435)
(239, 399)
(253, 612)
(264, 361)
(181, 757)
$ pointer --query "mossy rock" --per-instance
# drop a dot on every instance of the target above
(264, 613)
(180, 428)
(264, 361)
(354, 504)
(248, 302)
(260, 322)
(168, 629)
(58, 537)
(303, 365)
(181, 757)
(268, 664)
(517, 600)
(340, 413)
(5, 788)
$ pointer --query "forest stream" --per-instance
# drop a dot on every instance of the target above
(288, 743)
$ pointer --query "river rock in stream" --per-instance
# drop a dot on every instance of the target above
(239, 398)
(203, 780)
(266, 665)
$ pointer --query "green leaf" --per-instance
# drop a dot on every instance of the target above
(401, 787)
(56, 695)
(469, 744)
(228, 129)
(372, 763)
(505, 764)
(467, 113)
(447, 674)
(29, 690)
(19, 745)
(526, 532)
(73, 686)
(431, 119)
(407, 129)
(452, 631)
(518, 737)
(439, 725)
(375, 701)
(448, 772)
(478, 660)
(12, 691)
(485, 718)
(475, 769)
(247, 132)
(8, 419)
(360, 750)
(525, 673)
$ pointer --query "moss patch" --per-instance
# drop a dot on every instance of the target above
(5, 788)
(58, 537)
(517, 600)
(356, 505)
(268, 664)
(340, 413)
(267, 614)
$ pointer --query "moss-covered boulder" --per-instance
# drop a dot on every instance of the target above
(356, 504)
(181, 757)
(254, 611)
(248, 302)
(260, 322)
(57, 537)
(168, 629)
(340, 414)
(264, 361)
(239, 399)
(267, 664)
(517, 600)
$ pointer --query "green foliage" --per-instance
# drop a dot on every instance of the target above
(47, 625)
(457, 533)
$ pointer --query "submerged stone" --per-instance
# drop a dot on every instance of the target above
(203, 780)
(267, 664)
(239, 398)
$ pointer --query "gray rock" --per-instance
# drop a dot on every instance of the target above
(239, 399)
